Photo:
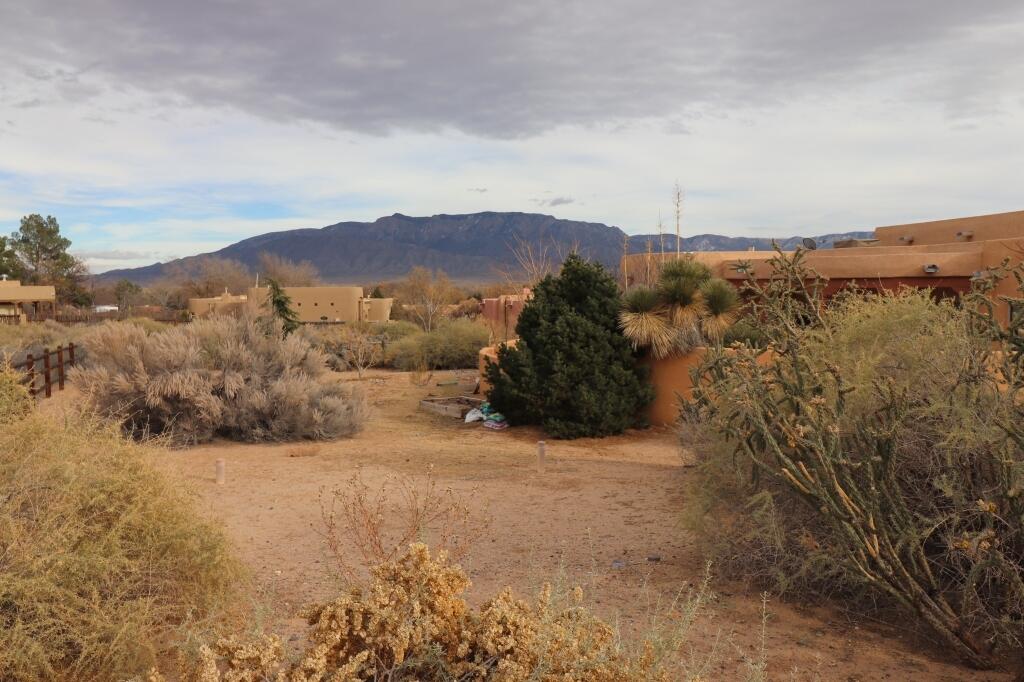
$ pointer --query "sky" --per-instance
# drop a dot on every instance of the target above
(155, 129)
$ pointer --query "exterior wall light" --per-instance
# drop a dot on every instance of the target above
(931, 269)
(964, 235)
(907, 239)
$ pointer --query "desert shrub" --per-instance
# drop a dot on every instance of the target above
(103, 562)
(881, 449)
(452, 344)
(414, 624)
(17, 339)
(148, 324)
(225, 376)
(572, 370)
(15, 400)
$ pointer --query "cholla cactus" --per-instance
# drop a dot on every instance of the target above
(915, 471)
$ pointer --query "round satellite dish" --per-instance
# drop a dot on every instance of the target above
(809, 243)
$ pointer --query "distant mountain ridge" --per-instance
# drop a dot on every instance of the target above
(474, 246)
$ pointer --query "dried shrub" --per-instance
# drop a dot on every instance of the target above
(15, 400)
(103, 562)
(414, 624)
(381, 523)
(230, 377)
(882, 449)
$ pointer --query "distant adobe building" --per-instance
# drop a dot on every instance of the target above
(17, 301)
(943, 255)
(311, 304)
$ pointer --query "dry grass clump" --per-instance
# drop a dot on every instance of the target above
(15, 400)
(17, 339)
(881, 451)
(414, 624)
(103, 562)
(225, 376)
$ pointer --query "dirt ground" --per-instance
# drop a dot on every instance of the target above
(595, 502)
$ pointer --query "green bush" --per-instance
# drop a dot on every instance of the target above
(881, 451)
(571, 371)
(454, 344)
(103, 562)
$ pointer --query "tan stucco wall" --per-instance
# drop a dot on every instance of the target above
(12, 291)
(376, 309)
(316, 304)
(985, 227)
(671, 379)
(225, 304)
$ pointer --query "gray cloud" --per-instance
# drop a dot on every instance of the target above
(116, 254)
(554, 201)
(479, 190)
(508, 69)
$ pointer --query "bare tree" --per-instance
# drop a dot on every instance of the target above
(210, 276)
(426, 294)
(288, 272)
(362, 350)
(536, 260)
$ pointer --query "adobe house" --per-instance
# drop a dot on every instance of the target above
(311, 304)
(225, 304)
(943, 255)
(18, 301)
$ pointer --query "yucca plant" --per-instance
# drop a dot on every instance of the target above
(684, 300)
(687, 269)
(688, 308)
(721, 305)
(644, 322)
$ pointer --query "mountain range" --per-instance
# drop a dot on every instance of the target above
(474, 246)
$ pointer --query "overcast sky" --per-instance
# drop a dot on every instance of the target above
(153, 128)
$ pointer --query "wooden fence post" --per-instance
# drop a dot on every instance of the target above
(60, 367)
(71, 354)
(46, 372)
(30, 370)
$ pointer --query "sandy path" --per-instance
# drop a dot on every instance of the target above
(596, 501)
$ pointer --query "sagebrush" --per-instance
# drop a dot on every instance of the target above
(103, 562)
(883, 448)
(224, 376)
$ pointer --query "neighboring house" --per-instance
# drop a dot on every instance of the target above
(311, 304)
(18, 302)
(943, 255)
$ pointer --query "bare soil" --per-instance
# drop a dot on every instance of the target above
(595, 502)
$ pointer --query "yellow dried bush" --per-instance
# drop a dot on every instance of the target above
(413, 624)
(103, 562)
(15, 401)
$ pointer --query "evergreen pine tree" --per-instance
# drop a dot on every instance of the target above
(571, 371)
(280, 304)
